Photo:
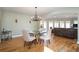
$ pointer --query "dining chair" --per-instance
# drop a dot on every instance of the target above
(46, 37)
(28, 40)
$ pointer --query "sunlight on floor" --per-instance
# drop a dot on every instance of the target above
(46, 49)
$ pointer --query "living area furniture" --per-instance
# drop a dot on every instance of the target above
(46, 40)
(65, 32)
(46, 37)
(5, 35)
(31, 38)
(28, 40)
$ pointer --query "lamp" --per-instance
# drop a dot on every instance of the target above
(36, 17)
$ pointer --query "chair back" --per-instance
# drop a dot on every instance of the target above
(49, 34)
(25, 35)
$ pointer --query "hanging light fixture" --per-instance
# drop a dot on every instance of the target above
(36, 17)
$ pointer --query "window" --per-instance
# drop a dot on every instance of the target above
(45, 24)
(75, 22)
(41, 22)
(62, 24)
(67, 24)
(56, 24)
(50, 24)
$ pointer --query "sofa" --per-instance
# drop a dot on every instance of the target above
(65, 32)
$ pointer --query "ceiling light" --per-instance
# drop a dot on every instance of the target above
(36, 17)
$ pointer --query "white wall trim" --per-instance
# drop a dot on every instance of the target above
(14, 36)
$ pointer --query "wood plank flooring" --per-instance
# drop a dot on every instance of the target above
(17, 45)
(62, 44)
(57, 44)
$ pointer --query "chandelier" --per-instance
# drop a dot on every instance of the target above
(36, 17)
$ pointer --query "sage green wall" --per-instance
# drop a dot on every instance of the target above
(0, 18)
(8, 22)
(78, 31)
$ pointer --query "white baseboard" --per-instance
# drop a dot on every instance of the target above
(14, 36)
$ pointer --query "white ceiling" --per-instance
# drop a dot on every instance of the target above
(29, 10)
(43, 11)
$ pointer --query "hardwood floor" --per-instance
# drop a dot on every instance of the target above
(62, 44)
(57, 44)
(17, 45)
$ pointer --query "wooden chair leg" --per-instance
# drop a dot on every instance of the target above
(24, 43)
(29, 44)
